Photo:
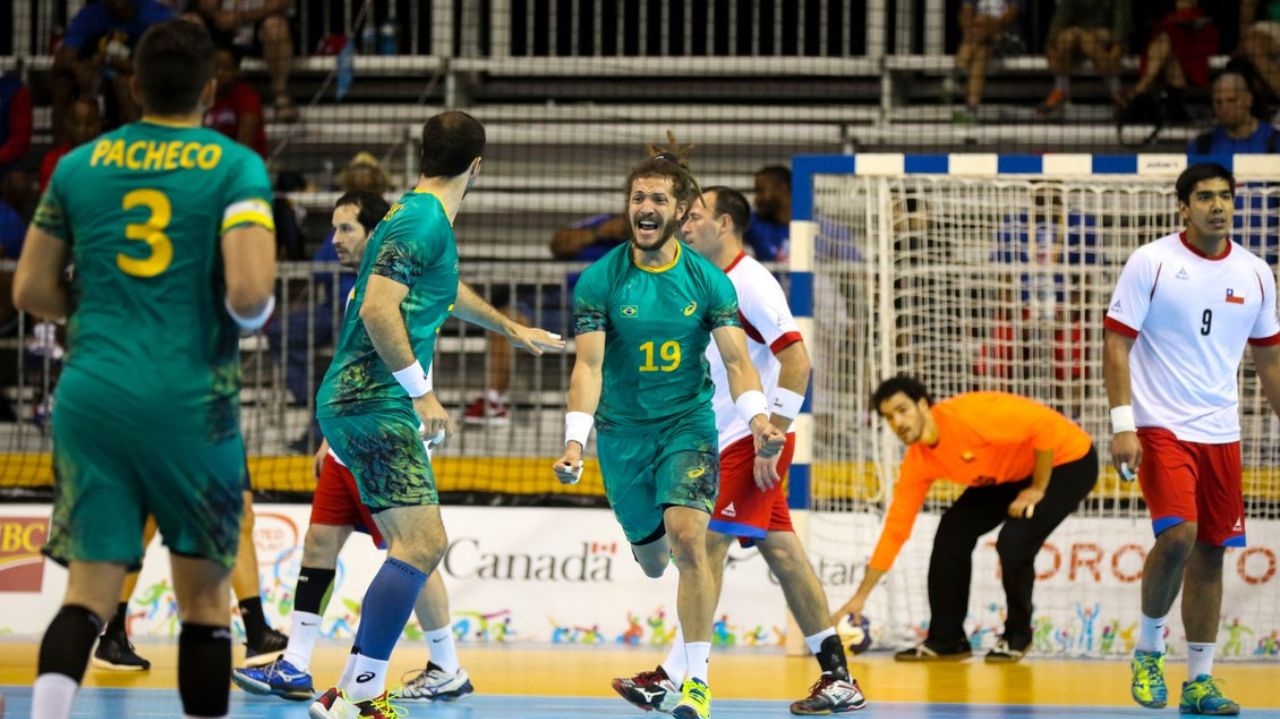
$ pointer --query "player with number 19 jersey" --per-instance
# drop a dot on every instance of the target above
(655, 426)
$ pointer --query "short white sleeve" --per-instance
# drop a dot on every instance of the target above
(1267, 325)
(1132, 297)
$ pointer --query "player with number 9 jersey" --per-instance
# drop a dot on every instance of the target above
(154, 354)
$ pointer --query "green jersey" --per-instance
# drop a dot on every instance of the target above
(657, 323)
(412, 245)
(143, 210)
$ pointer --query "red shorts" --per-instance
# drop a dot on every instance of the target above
(337, 502)
(742, 510)
(1192, 482)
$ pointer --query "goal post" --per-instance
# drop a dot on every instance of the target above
(992, 272)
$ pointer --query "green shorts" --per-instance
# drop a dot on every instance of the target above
(384, 452)
(646, 470)
(109, 478)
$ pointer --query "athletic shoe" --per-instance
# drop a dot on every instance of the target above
(830, 695)
(279, 679)
(1004, 652)
(696, 702)
(1201, 696)
(325, 701)
(269, 646)
(434, 683)
(935, 652)
(379, 707)
(649, 690)
(1053, 105)
(115, 653)
(482, 411)
(1148, 686)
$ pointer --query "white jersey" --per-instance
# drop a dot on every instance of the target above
(770, 328)
(1191, 316)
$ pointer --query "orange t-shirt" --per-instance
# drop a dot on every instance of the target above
(984, 438)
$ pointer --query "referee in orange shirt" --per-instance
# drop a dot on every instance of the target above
(1025, 465)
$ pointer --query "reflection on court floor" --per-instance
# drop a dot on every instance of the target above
(118, 702)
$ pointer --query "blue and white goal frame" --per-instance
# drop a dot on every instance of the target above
(1065, 165)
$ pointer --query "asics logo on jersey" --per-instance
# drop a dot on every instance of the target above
(690, 308)
(696, 472)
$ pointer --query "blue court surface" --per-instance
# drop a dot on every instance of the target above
(134, 702)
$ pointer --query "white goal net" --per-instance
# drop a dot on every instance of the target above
(1002, 284)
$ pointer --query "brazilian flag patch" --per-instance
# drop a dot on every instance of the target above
(630, 311)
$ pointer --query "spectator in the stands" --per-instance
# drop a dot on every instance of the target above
(1260, 39)
(584, 241)
(983, 23)
(769, 233)
(1097, 29)
(95, 58)
(237, 108)
(258, 28)
(15, 122)
(1236, 129)
(1177, 57)
(83, 124)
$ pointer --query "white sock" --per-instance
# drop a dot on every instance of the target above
(1151, 634)
(52, 695)
(444, 653)
(815, 642)
(303, 633)
(374, 674)
(348, 672)
(698, 655)
(1200, 659)
(675, 665)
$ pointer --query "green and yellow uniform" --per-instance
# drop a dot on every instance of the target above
(655, 426)
(363, 411)
(147, 413)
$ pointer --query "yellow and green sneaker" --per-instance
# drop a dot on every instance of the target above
(1201, 696)
(1148, 687)
(696, 702)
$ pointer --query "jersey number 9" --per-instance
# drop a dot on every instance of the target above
(150, 231)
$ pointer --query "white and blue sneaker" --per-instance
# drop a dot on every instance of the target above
(435, 684)
(279, 679)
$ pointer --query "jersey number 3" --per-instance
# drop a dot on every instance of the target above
(668, 352)
(150, 231)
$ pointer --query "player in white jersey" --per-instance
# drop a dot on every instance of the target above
(751, 506)
(1184, 309)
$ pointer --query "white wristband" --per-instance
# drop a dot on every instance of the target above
(577, 427)
(255, 322)
(1122, 419)
(787, 403)
(415, 382)
(750, 404)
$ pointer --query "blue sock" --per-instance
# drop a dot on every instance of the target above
(387, 606)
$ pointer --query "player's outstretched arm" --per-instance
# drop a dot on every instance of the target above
(38, 287)
(744, 387)
(473, 308)
(1266, 360)
(584, 396)
(1126, 451)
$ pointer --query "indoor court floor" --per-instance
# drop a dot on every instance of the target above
(542, 682)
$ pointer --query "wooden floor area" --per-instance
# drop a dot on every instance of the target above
(541, 670)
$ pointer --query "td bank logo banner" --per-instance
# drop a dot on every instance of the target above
(21, 564)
